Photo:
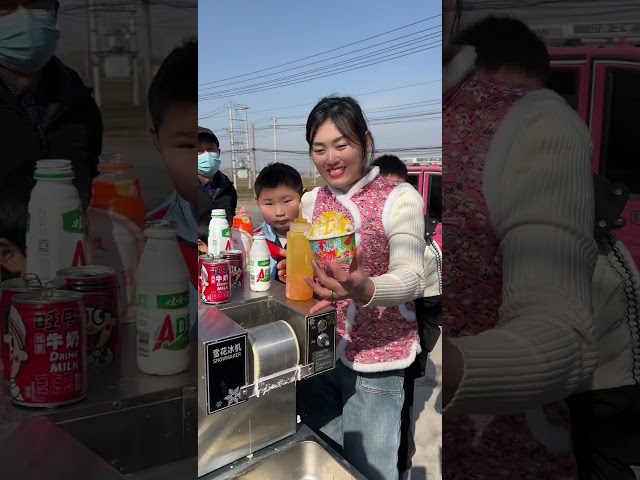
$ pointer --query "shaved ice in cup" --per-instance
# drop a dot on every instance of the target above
(332, 239)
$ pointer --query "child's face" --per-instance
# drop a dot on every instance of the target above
(177, 141)
(279, 207)
(202, 247)
(11, 258)
(338, 161)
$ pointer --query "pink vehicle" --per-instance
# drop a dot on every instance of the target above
(599, 75)
(426, 177)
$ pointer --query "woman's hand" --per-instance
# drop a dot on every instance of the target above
(282, 266)
(354, 284)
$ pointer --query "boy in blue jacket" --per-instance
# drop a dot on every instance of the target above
(279, 191)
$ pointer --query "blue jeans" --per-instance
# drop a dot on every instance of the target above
(358, 414)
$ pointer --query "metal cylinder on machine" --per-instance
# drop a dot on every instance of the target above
(274, 347)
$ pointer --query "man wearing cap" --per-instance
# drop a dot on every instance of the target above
(45, 109)
(215, 190)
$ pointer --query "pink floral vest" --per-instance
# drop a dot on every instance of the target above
(371, 339)
(500, 447)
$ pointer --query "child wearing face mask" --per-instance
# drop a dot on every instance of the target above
(357, 406)
(215, 190)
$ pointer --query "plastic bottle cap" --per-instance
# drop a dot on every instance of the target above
(54, 169)
(218, 212)
(300, 225)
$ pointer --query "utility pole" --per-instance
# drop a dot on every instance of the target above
(246, 133)
(275, 141)
(148, 57)
(93, 48)
(233, 152)
(133, 58)
(253, 151)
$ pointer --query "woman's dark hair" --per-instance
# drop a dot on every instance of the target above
(347, 115)
(503, 41)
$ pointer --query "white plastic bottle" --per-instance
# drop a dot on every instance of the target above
(259, 264)
(55, 226)
(162, 316)
(219, 232)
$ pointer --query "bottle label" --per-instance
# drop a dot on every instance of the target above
(259, 271)
(72, 222)
(162, 323)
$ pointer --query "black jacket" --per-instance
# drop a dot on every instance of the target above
(224, 196)
(73, 129)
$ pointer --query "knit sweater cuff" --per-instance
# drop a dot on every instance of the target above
(510, 370)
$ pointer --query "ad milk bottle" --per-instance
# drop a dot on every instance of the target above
(162, 285)
(116, 216)
(259, 264)
(219, 233)
(55, 225)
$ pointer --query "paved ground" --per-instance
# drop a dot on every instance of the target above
(427, 416)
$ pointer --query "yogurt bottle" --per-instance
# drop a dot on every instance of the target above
(55, 225)
(259, 264)
(219, 233)
(162, 315)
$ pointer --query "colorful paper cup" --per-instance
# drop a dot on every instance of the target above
(332, 248)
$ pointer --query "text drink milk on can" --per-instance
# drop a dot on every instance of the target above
(55, 224)
(162, 285)
(116, 217)
(219, 233)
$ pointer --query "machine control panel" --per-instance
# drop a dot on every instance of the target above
(321, 334)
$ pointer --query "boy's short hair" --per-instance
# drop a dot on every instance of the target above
(391, 165)
(14, 208)
(277, 175)
(175, 82)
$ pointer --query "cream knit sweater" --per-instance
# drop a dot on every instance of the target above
(538, 187)
(413, 268)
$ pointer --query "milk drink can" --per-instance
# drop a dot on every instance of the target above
(259, 264)
(162, 315)
(55, 225)
(219, 233)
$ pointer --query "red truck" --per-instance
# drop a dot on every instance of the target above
(426, 177)
(596, 68)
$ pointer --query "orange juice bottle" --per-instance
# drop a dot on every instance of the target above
(116, 217)
(299, 258)
(242, 233)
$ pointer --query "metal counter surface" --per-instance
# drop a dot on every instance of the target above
(303, 433)
(277, 291)
(110, 388)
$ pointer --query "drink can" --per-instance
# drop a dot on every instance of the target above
(201, 259)
(98, 287)
(216, 281)
(9, 289)
(235, 267)
(47, 336)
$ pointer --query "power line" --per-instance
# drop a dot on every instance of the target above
(357, 66)
(325, 52)
(357, 95)
(341, 55)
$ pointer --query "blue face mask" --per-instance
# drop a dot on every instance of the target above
(28, 39)
(208, 163)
